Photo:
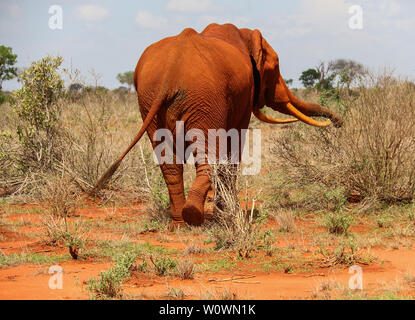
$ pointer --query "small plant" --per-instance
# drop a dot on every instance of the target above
(287, 267)
(109, 283)
(338, 223)
(285, 220)
(383, 222)
(193, 249)
(409, 279)
(163, 265)
(60, 196)
(142, 266)
(325, 289)
(227, 294)
(177, 294)
(268, 239)
(185, 269)
(346, 254)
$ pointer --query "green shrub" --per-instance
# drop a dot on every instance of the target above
(163, 265)
(109, 283)
(2, 98)
(38, 109)
(338, 223)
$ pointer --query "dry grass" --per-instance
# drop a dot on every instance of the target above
(236, 226)
(61, 198)
(193, 249)
(185, 269)
(285, 220)
(89, 130)
(371, 157)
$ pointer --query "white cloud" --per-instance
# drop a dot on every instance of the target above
(149, 21)
(321, 15)
(93, 12)
(190, 6)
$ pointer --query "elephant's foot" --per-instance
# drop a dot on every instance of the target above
(192, 214)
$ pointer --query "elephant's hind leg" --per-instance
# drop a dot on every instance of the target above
(173, 175)
(193, 210)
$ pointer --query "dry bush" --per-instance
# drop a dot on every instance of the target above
(185, 269)
(228, 294)
(225, 294)
(193, 249)
(175, 294)
(61, 197)
(90, 129)
(285, 220)
(102, 126)
(347, 253)
(236, 227)
(371, 157)
(327, 289)
(95, 122)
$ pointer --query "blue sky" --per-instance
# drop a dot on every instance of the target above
(109, 36)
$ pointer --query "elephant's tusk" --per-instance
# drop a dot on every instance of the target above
(258, 113)
(302, 117)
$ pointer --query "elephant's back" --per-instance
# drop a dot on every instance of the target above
(191, 60)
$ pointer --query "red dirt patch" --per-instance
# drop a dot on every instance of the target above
(29, 281)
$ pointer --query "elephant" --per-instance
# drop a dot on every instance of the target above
(210, 80)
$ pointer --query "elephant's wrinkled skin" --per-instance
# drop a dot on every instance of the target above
(211, 80)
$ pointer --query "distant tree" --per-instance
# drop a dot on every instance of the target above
(349, 71)
(327, 75)
(121, 89)
(324, 75)
(101, 89)
(288, 82)
(7, 61)
(126, 78)
(75, 87)
(96, 76)
(309, 77)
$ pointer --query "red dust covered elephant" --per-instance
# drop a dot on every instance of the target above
(210, 80)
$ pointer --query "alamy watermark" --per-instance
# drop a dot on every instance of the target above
(356, 19)
(356, 281)
(56, 19)
(232, 146)
(56, 280)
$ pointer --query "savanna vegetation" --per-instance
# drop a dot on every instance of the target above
(326, 199)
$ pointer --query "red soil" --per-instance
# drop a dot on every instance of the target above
(30, 281)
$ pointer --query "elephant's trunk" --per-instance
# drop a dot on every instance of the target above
(301, 110)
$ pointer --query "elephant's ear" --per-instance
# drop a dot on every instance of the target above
(253, 41)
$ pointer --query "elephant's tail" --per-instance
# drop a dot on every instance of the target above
(155, 107)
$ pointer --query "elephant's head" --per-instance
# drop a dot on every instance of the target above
(271, 89)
